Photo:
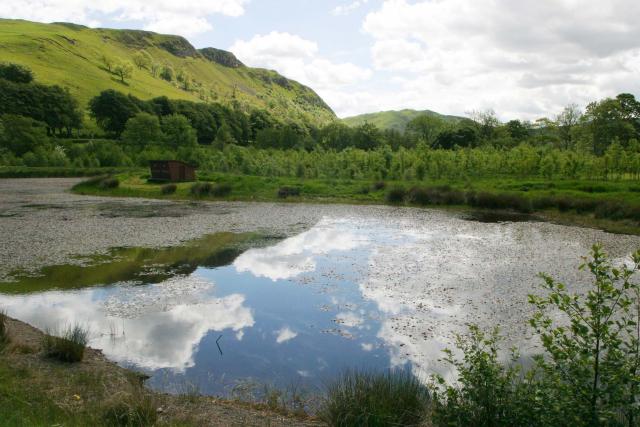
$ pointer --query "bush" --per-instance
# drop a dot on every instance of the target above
(379, 185)
(109, 183)
(67, 348)
(201, 189)
(168, 189)
(610, 210)
(396, 195)
(500, 201)
(131, 412)
(285, 192)
(221, 190)
(356, 398)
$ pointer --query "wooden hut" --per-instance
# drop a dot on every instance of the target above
(171, 171)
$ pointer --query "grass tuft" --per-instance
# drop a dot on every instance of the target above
(221, 190)
(69, 347)
(109, 183)
(168, 189)
(4, 333)
(201, 189)
(396, 195)
(131, 412)
(359, 398)
(284, 192)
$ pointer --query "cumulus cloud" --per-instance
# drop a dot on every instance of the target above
(299, 59)
(186, 18)
(523, 58)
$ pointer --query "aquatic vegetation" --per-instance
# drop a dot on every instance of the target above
(69, 347)
(361, 398)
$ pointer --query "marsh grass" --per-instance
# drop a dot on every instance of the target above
(67, 348)
(168, 189)
(361, 398)
(396, 195)
(4, 334)
(200, 189)
(109, 183)
(131, 411)
(221, 190)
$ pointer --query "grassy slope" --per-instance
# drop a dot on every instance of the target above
(393, 119)
(70, 56)
(265, 189)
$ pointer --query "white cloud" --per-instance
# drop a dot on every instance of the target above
(187, 17)
(524, 58)
(285, 334)
(298, 59)
(347, 8)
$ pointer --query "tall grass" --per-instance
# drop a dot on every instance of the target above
(4, 334)
(132, 411)
(69, 347)
(372, 399)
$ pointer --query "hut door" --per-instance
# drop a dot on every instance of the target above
(182, 173)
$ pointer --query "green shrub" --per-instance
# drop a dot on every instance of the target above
(500, 201)
(396, 195)
(67, 348)
(358, 398)
(201, 189)
(168, 189)
(109, 183)
(221, 190)
(284, 192)
(131, 412)
(379, 185)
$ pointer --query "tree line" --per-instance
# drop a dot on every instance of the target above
(37, 122)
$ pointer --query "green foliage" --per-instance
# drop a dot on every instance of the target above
(15, 73)
(69, 347)
(142, 129)
(487, 393)
(178, 132)
(359, 398)
(221, 190)
(594, 348)
(112, 110)
(285, 192)
(21, 135)
(109, 183)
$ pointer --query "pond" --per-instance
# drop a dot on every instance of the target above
(228, 295)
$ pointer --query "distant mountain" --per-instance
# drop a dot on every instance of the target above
(394, 119)
(76, 57)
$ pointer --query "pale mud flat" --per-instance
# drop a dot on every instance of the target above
(429, 272)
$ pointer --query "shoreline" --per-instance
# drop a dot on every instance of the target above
(38, 390)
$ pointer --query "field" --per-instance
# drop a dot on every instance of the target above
(610, 205)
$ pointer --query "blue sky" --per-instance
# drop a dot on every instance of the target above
(524, 59)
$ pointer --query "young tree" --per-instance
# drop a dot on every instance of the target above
(124, 70)
(594, 348)
(142, 129)
(178, 132)
(167, 73)
(142, 59)
(426, 128)
(107, 62)
(566, 122)
(112, 110)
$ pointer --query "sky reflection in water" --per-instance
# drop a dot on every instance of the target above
(290, 313)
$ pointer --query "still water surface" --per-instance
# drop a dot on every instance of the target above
(288, 313)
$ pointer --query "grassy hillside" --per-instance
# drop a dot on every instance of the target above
(393, 119)
(72, 56)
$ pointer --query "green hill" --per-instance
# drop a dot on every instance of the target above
(76, 57)
(394, 119)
